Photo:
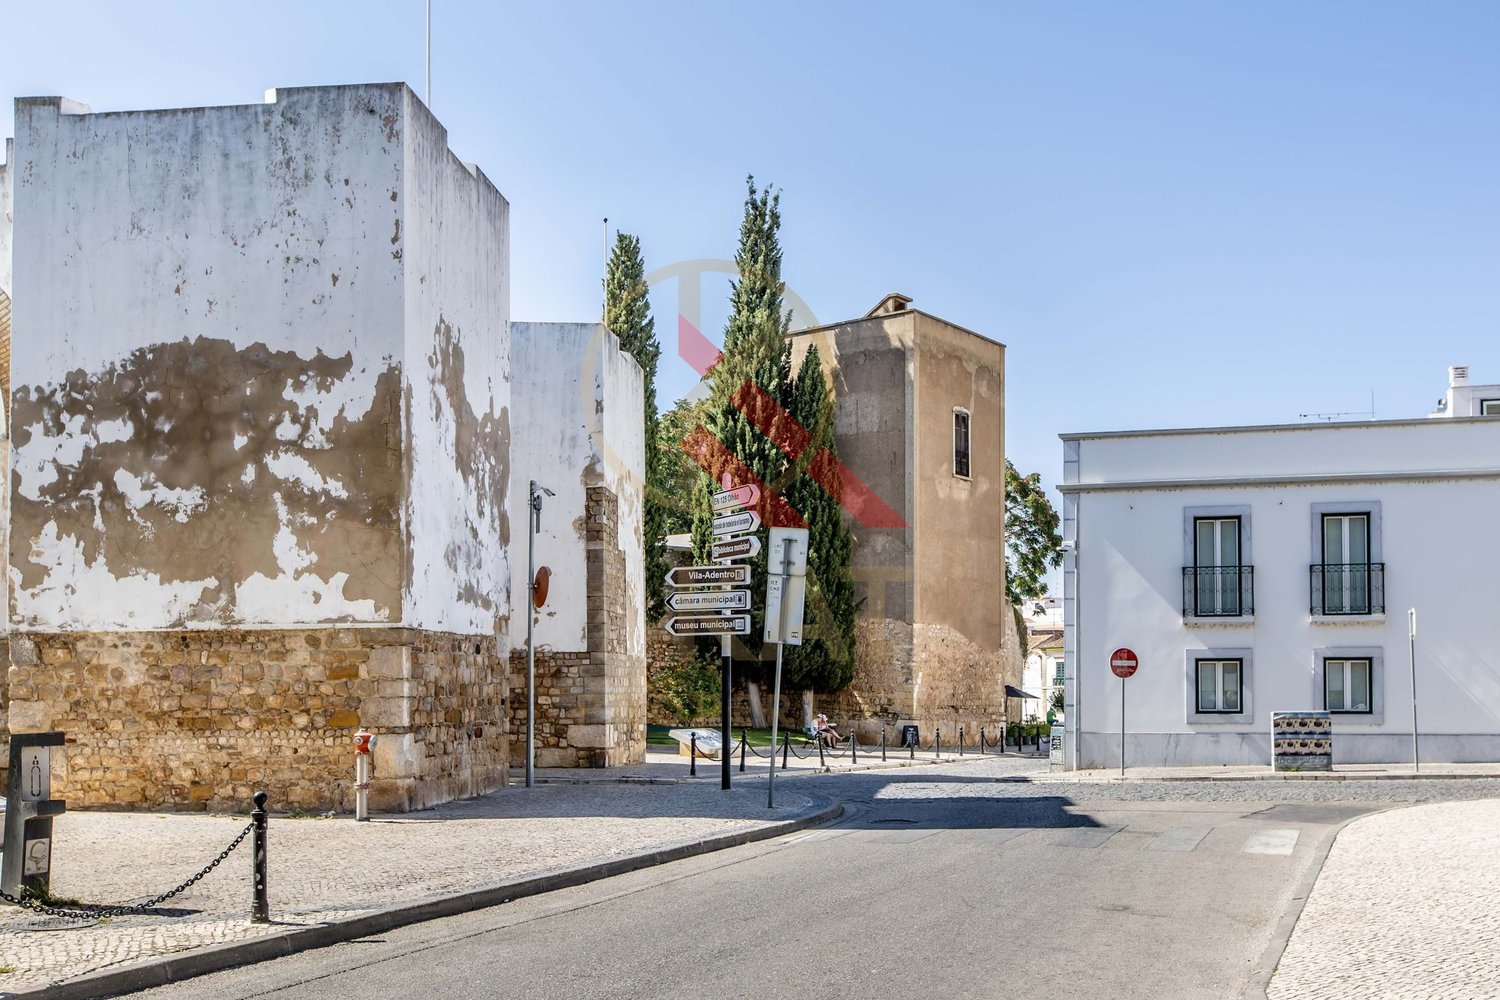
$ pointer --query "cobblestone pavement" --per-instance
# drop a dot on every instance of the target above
(1405, 907)
(324, 870)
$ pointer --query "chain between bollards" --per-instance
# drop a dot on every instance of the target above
(260, 907)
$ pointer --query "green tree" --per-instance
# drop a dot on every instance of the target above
(1033, 542)
(825, 660)
(627, 312)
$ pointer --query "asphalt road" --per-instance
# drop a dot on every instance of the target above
(936, 884)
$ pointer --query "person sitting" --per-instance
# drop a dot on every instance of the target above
(825, 732)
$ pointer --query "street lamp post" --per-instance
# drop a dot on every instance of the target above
(533, 525)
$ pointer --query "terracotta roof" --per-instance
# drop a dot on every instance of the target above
(1044, 638)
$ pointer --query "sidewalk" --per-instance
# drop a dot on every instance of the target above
(325, 871)
(665, 766)
(1404, 907)
(1263, 772)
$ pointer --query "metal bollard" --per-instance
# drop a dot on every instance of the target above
(786, 746)
(982, 750)
(260, 905)
(821, 762)
(911, 750)
(693, 755)
(744, 742)
(937, 753)
(853, 745)
(882, 744)
(960, 741)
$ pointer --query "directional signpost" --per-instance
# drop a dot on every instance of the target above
(707, 576)
(738, 497)
(740, 547)
(1123, 663)
(709, 600)
(725, 625)
(734, 524)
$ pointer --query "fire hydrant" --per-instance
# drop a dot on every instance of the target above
(364, 742)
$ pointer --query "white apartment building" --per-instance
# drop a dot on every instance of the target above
(1271, 568)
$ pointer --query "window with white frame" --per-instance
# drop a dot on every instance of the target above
(961, 442)
(1347, 685)
(1489, 407)
(1220, 685)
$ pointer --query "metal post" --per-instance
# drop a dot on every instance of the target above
(260, 906)
(1122, 727)
(853, 745)
(911, 750)
(821, 762)
(786, 564)
(727, 678)
(693, 755)
(937, 746)
(960, 741)
(786, 745)
(1411, 635)
(981, 741)
(882, 743)
(744, 741)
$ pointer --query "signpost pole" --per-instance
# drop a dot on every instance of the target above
(1411, 636)
(724, 698)
(1122, 727)
(786, 569)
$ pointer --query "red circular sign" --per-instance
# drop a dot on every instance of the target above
(1123, 662)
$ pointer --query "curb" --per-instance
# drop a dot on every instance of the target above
(1265, 967)
(176, 968)
(1304, 776)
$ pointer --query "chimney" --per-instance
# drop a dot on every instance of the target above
(1458, 375)
(893, 303)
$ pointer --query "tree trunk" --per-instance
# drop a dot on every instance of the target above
(807, 708)
(757, 707)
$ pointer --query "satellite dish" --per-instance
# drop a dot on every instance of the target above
(539, 587)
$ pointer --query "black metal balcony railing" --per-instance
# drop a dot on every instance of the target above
(1218, 591)
(1347, 588)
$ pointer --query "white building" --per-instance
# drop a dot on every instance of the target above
(1042, 672)
(1263, 569)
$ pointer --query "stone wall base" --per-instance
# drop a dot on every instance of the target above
(201, 719)
(586, 713)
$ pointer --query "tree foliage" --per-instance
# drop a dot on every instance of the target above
(627, 313)
(825, 660)
(1033, 541)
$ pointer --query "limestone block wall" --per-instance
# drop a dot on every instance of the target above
(590, 703)
(200, 720)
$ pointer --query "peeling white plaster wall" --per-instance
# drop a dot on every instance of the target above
(5, 276)
(456, 252)
(331, 223)
(576, 406)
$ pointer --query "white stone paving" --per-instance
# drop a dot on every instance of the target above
(1407, 906)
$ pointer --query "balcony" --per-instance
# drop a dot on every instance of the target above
(1347, 589)
(1218, 591)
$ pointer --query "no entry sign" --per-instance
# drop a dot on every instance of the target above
(1123, 662)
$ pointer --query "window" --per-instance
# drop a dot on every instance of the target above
(961, 443)
(1346, 564)
(1216, 565)
(1219, 685)
(1346, 685)
(1489, 407)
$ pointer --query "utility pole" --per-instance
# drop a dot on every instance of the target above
(533, 525)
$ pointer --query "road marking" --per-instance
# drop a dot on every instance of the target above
(1086, 837)
(1272, 842)
(1180, 840)
(814, 835)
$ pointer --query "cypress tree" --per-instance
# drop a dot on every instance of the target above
(825, 660)
(627, 312)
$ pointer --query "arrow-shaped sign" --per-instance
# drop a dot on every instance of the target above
(703, 576)
(709, 600)
(734, 524)
(736, 548)
(709, 625)
(740, 496)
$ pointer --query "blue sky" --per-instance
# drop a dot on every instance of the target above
(1171, 213)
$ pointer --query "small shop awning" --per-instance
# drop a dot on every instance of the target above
(1011, 691)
